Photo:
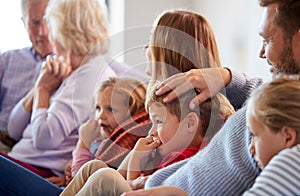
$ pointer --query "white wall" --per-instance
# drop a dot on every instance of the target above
(235, 23)
(138, 16)
(12, 34)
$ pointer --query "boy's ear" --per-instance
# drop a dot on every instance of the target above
(290, 135)
(192, 122)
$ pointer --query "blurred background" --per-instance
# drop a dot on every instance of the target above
(235, 23)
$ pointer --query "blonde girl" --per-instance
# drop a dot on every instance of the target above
(119, 108)
(273, 118)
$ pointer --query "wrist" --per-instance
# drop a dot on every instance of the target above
(227, 76)
(41, 98)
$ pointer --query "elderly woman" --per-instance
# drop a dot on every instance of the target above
(45, 122)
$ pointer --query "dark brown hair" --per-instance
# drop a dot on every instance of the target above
(287, 15)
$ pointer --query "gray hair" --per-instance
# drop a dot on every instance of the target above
(24, 4)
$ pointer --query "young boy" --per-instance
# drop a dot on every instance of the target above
(176, 134)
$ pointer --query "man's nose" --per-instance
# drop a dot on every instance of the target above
(262, 52)
(43, 28)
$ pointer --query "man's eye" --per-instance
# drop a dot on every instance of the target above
(35, 22)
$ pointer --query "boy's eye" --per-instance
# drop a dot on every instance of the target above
(159, 122)
(112, 110)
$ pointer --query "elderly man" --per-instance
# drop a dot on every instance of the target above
(19, 68)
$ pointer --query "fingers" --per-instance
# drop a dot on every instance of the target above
(200, 98)
(170, 84)
(58, 67)
(179, 85)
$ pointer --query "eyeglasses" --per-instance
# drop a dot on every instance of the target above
(34, 22)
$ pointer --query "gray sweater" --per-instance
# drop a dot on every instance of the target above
(225, 166)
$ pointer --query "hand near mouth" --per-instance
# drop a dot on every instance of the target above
(89, 131)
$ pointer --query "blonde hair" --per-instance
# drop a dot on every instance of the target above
(212, 113)
(132, 89)
(78, 25)
(277, 104)
(182, 40)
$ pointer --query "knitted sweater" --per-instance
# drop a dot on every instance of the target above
(225, 166)
(281, 176)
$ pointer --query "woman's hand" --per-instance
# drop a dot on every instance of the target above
(208, 82)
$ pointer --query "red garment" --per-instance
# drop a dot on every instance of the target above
(45, 173)
(113, 150)
(180, 155)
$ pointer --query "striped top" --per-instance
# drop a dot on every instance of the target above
(225, 166)
(281, 176)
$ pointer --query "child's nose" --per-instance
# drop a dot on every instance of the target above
(152, 131)
(100, 115)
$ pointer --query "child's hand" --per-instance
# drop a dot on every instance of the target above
(138, 183)
(57, 180)
(68, 173)
(89, 131)
(145, 148)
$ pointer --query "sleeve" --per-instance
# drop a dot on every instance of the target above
(158, 177)
(68, 109)
(18, 120)
(70, 106)
(240, 88)
(80, 157)
(50, 127)
(280, 177)
(3, 63)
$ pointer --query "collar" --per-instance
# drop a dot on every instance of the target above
(36, 56)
